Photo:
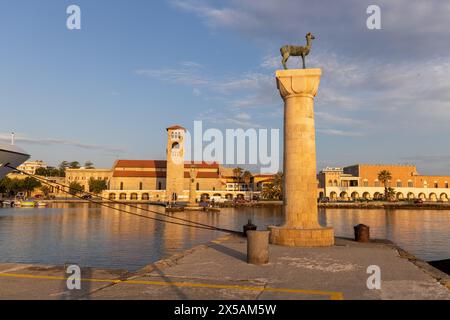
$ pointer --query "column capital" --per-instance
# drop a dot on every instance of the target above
(298, 82)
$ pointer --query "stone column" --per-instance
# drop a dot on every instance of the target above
(192, 187)
(298, 88)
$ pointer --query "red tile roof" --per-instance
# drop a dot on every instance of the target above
(204, 175)
(161, 164)
(203, 164)
(139, 174)
(175, 128)
(140, 164)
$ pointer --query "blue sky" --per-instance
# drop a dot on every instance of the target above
(109, 90)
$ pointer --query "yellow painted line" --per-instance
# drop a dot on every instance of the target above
(333, 295)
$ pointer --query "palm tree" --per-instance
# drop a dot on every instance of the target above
(385, 177)
(238, 176)
(274, 189)
(247, 177)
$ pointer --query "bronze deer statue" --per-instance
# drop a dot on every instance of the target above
(296, 51)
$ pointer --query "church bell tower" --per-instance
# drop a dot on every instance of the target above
(175, 163)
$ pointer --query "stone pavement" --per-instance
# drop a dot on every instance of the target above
(218, 270)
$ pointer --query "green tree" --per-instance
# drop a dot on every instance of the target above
(29, 184)
(48, 172)
(237, 172)
(74, 165)
(274, 189)
(45, 190)
(390, 193)
(75, 188)
(4, 185)
(247, 178)
(97, 186)
(385, 177)
(63, 165)
(62, 168)
(89, 165)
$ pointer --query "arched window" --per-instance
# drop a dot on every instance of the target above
(198, 186)
(134, 196)
(335, 183)
(330, 182)
(121, 186)
(140, 185)
(112, 196)
(399, 183)
(145, 196)
(123, 196)
(436, 184)
(446, 184)
(410, 184)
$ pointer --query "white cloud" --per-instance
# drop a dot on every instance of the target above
(22, 138)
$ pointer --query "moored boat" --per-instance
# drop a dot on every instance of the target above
(27, 204)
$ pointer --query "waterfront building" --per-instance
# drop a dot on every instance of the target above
(360, 181)
(169, 180)
(30, 167)
(83, 175)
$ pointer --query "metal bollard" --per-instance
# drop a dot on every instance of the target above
(249, 226)
(257, 247)
(362, 233)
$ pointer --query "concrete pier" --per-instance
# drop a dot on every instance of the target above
(219, 270)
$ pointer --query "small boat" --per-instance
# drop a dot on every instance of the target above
(27, 204)
(7, 203)
(41, 204)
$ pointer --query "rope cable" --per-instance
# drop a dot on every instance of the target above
(191, 223)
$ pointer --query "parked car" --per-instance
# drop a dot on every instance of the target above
(86, 197)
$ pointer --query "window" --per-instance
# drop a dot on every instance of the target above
(198, 186)
(377, 183)
(121, 186)
(159, 186)
(399, 184)
(436, 184)
(410, 184)
(140, 185)
(330, 182)
(365, 183)
(446, 184)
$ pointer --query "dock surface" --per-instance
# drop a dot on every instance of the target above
(218, 270)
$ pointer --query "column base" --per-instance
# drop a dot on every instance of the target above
(295, 237)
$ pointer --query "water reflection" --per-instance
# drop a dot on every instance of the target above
(101, 237)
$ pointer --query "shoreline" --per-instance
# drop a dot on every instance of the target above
(329, 205)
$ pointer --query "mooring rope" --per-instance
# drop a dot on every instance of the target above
(192, 224)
